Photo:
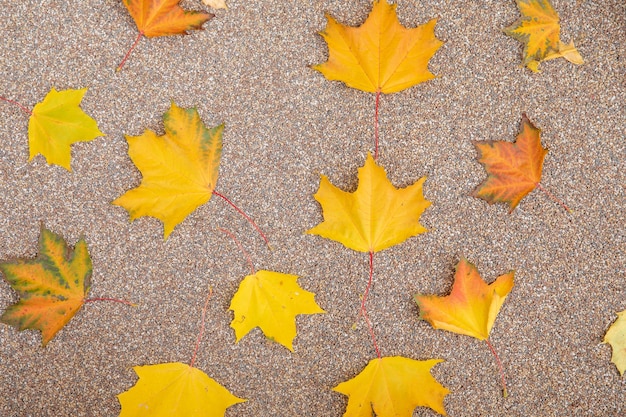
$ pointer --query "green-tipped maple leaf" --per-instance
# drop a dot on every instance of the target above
(539, 30)
(271, 301)
(58, 122)
(162, 18)
(514, 168)
(393, 387)
(175, 389)
(374, 217)
(616, 337)
(179, 168)
(52, 287)
(381, 55)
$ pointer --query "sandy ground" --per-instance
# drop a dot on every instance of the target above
(285, 125)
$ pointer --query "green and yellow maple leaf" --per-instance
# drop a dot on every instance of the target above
(539, 29)
(179, 168)
(374, 217)
(381, 55)
(514, 168)
(52, 287)
(393, 387)
(58, 122)
(616, 337)
(271, 301)
(175, 389)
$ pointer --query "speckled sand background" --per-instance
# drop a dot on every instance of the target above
(286, 124)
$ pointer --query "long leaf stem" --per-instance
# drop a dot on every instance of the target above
(201, 332)
(376, 126)
(24, 109)
(139, 36)
(258, 229)
(553, 197)
(363, 310)
(246, 254)
(500, 367)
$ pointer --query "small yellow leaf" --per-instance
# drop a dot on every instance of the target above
(381, 55)
(376, 216)
(539, 30)
(52, 287)
(215, 4)
(393, 387)
(271, 301)
(472, 306)
(56, 123)
(179, 168)
(616, 337)
(175, 389)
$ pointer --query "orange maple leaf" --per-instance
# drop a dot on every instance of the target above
(514, 168)
(162, 18)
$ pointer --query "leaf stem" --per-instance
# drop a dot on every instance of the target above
(119, 67)
(376, 126)
(553, 197)
(363, 310)
(115, 300)
(245, 216)
(24, 109)
(246, 254)
(500, 367)
(201, 333)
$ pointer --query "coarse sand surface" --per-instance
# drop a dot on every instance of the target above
(285, 124)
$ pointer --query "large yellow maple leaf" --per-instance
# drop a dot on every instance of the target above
(616, 337)
(514, 168)
(393, 387)
(539, 29)
(179, 168)
(271, 301)
(381, 55)
(52, 287)
(175, 389)
(374, 217)
(58, 122)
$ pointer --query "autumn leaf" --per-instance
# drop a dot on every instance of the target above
(616, 337)
(179, 168)
(471, 308)
(175, 389)
(162, 18)
(271, 301)
(215, 4)
(381, 55)
(56, 123)
(393, 387)
(52, 287)
(374, 217)
(538, 28)
(514, 168)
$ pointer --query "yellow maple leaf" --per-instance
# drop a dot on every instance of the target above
(56, 123)
(271, 301)
(472, 306)
(175, 389)
(393, 387)
(216, 4)
(539, 30)
(52, 287)
(381, 55)
(374, 217)
(179, 169)
(616, 337)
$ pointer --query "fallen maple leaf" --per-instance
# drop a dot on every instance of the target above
(216, 4)
(381, 55)
(514, 168)
(616, 337)
(52, 287)
(271, 301)
(56, 123)
(162, 18)
(175, 389)
(471, 308)
(539, 30)
(179, 168)
(374, 217)
(393, 387)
